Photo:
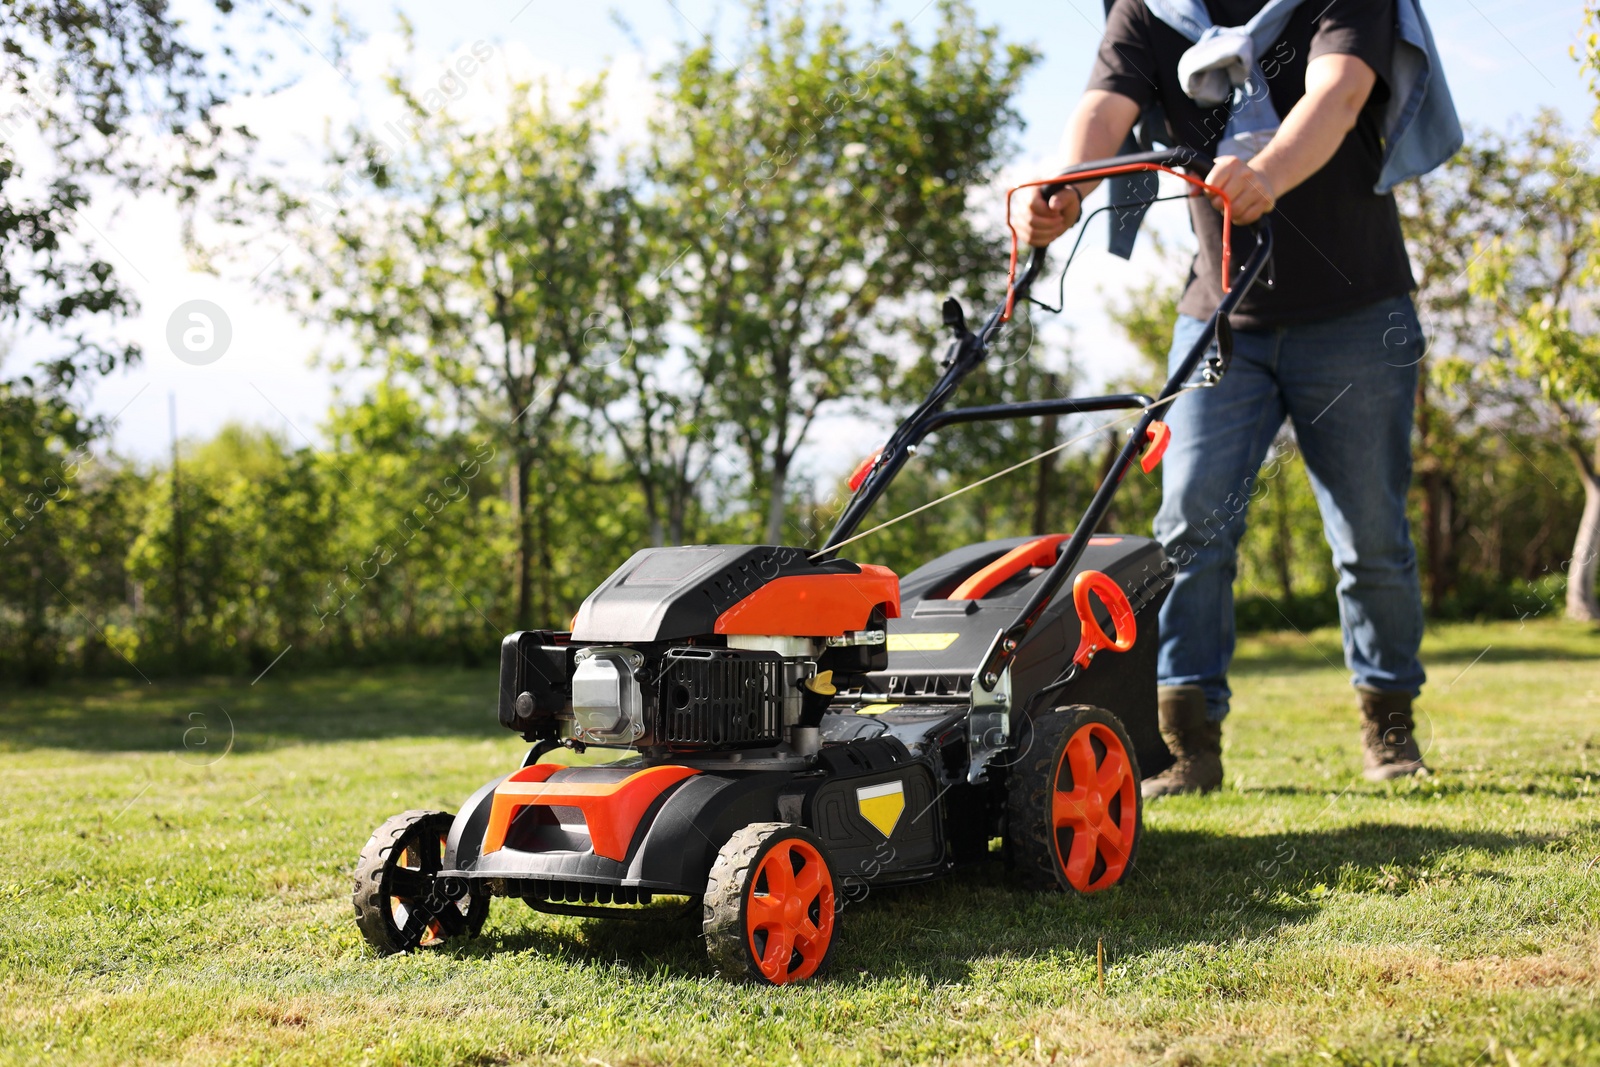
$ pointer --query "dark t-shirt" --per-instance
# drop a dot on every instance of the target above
(1336, 244)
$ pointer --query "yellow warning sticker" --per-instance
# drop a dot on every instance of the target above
(921, 642)
(881, 805)
(876, 709)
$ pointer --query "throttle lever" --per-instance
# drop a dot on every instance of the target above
(1217, 363)
(954, 317)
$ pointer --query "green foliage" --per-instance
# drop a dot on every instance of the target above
(579, 353)
(43, 458)
(390, 542)
(494, 268)
(1146, 317)
(814, 186)
(1547, 268)
(1522, 362)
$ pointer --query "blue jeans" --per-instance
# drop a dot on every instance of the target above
(1348, 385)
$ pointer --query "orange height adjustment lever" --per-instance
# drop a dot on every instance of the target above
(1116, 601)
(1160, 436)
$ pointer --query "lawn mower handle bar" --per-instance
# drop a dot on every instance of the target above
(967, 353)
(1187, 158)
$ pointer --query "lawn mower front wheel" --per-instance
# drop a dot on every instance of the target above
(1074, 815)
(769, 905)
(401, 903)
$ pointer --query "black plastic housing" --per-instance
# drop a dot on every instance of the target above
(535, 682)
(1122, 683)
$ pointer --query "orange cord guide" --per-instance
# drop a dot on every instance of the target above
(1111, 172)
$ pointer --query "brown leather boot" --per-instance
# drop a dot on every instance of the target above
(1195, 741)
(1388, 736)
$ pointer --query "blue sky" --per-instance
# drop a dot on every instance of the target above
(1505, 59)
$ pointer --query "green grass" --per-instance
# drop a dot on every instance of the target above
(170, 899)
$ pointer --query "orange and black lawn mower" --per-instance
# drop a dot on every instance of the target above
(802, 728)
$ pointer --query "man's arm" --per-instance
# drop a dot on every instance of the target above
(1337, 87)
(1099, 125)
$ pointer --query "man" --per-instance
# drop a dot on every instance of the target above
(1332, 345)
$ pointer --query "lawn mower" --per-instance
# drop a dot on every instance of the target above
(802, 728)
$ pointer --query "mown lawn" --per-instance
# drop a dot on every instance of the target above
(172, 898)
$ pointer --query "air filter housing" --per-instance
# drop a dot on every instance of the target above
(718, 696)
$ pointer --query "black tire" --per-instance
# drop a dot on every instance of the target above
(1043, 825)
(398, 899)
(735, 940)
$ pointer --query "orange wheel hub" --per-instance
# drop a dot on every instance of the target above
(413, 859)
(789, 912)
(1094, 808)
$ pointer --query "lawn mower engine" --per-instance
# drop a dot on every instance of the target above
(695, 651)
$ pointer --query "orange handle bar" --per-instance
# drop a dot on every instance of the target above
(1111, 172)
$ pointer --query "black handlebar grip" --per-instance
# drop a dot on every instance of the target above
(1180, 156)
(1031, 272)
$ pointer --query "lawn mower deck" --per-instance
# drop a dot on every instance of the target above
(799, 728)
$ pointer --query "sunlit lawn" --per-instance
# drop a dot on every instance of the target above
(169, 898)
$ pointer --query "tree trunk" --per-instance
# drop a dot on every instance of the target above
(1283, 548)
(652, 510)
(775, 502)
(1436, 509)
(1044, 488)
(1108, 460)
(524, 519)
(180, 607)
(1581, 601)
(545, 610)
(1435, 524)
(36, 664)
(677, 513)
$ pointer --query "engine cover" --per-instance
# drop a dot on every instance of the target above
(694, 591)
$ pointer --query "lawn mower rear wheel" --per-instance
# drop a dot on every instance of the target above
(1074, 815)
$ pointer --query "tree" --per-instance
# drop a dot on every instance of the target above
(236, 585)
(650, 400)
(813, 187)
(43, 455)
(1544, 277)
(656, 413)
(97, 84)
(485, 264)
(1446, 217)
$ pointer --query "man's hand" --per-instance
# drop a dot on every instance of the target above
(1098, 125)
(1045, 221)
(1250, 190)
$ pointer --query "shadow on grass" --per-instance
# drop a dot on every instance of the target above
(287, 706)
(1283, 653)
(1510, 654)
(203, 716)
(1191, 887)
(1558, 783)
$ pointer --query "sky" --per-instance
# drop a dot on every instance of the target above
(1505, 59)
